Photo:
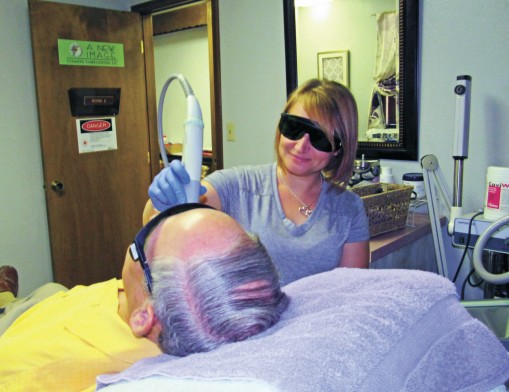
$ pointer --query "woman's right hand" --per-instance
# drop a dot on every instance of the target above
(167, 189)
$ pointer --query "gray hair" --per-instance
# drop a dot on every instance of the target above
(205, 302)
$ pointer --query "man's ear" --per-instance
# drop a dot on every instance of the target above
(143, 319)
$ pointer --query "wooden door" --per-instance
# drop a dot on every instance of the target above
(98, 212)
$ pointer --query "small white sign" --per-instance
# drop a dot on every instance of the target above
(96, 134)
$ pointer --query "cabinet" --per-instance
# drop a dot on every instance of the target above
(408, 248)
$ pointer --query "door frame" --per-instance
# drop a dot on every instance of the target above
(148, 12)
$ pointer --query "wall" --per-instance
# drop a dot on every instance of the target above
(253, 77)
(183, 52)
(457, 37)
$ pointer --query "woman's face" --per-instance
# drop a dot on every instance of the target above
(299, 157)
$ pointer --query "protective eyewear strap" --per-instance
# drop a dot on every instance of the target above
(137, 247)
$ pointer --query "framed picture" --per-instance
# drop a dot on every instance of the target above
(334, 66)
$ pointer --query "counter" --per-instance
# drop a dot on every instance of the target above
(409, 248)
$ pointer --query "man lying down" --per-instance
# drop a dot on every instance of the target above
(344, 330)
(191, 281)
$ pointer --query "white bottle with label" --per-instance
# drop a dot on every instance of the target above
(417, 181)
(496, 201)
(386, 175)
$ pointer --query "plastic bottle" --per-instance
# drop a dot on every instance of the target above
(386, 175)
(497, 193)
(417, 181)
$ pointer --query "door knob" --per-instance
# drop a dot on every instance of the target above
(57, 186)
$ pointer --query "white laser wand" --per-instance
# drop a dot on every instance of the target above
(192, 151)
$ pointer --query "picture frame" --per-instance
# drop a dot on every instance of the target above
(334, 65)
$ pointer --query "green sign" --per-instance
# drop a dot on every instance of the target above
(89, 53)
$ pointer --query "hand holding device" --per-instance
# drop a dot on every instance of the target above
(168, 187)
(193, 141)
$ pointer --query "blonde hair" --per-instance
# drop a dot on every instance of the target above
(333, 107)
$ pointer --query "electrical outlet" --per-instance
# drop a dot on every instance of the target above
(230, 131)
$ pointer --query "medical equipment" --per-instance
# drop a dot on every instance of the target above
(474, 226)
(467, 231)
(460, 149)
(433, 175)
(479, 248)
(192, 154)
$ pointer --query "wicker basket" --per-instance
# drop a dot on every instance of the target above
(386, 206)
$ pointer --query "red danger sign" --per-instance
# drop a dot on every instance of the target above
(96, 125)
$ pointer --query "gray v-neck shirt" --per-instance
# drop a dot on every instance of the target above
(249, 194)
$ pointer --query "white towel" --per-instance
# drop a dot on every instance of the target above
(355, 330)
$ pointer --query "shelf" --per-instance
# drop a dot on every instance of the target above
(387, 243)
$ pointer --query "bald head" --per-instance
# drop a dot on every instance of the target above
(212, 282)
(195, 233)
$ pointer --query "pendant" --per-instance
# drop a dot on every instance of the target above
(304, 210)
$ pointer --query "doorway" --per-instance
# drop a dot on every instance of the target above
(183, 52)
(162, 17)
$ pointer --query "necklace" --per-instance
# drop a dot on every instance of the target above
(304, 208)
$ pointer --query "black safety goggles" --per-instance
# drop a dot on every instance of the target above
(136, 248)
(294, 127)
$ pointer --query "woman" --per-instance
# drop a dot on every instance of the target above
(298, 206)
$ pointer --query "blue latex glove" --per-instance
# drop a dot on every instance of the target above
(167, 189)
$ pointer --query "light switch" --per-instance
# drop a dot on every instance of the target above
(230, 131)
